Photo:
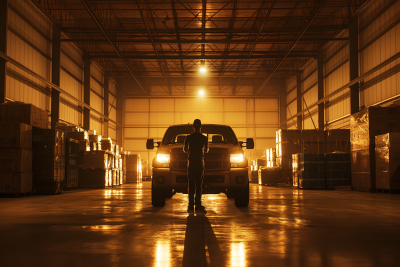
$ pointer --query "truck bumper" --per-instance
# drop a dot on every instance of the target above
(213, 180)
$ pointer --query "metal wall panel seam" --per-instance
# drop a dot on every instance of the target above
(20, 36)
(387, 29)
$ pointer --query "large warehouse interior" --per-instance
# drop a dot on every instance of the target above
(200, 133)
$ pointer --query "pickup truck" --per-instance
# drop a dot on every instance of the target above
(226, 167)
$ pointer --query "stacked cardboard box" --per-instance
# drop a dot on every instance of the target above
(364, 126)
(270, 155)
(95, 142)
(338, 170)
(387, 153)
(318, 171)
(133, 169)
(15, 158)
(71, 164)
(269, 175)
(311, 171)
(288, 143)
(24, 113)
(124, 168)
(48, 161)
(96, 170)
(337, 140)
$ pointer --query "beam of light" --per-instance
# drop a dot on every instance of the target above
(203, 70)
(201, 93)
(238, 255)
(163, 254)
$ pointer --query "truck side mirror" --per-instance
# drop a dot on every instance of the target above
(150, 144)
(249, 143)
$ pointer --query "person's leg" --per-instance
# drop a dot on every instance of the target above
(199, 186)
(191, 187)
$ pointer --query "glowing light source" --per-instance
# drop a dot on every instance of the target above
(163, 158)
(203, 66)
(201, 92)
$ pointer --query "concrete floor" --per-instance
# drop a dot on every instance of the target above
(281, 227)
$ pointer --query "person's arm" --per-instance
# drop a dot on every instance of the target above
(186, 146)
(206, 146)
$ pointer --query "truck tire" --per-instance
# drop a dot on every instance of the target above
(157, 196)
(242, 196)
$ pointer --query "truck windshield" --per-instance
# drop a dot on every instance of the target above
(215, 134)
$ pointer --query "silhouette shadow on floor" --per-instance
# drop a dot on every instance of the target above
(200, 242)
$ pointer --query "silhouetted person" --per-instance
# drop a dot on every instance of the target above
(196, 144)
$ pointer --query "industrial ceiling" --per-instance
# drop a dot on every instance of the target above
(262, 41)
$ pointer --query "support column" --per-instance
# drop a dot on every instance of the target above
(55, 76)
(282, 107)
(120, 107)
(86, 94)
(106, 103)
(321, 107)
(355, 88)
(299, 101)
(3, 48)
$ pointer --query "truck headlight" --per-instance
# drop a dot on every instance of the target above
(163, 158)
(236, 158)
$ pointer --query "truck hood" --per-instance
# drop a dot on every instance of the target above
(233, 149)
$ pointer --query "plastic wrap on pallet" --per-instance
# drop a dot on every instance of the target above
(107, 144)
(95, 138)
(364, 126)
(387, 153)
(15, 135)
(96, 159)
(269, 176)
(78, 135)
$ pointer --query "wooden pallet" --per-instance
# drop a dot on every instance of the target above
(344, 188)
(388, 191)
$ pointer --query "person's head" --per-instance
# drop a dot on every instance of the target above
(197, 126)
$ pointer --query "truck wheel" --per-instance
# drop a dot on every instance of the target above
(242, 196)
(157, 196)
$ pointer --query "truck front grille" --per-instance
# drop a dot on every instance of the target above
(216, 161)
(207, 178)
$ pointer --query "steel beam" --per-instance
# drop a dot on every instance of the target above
(282, 108)
(106, 103)
(108, 37)
(353, 61)
(230, 57)
(120, 108)
(55, 75)
(178, 36)
(3, 48)
(86, 93)
(152, 43)
(209, 41)
(321, 106)
(301, 33)
(203, 26)
(299, 101)
(255, 42)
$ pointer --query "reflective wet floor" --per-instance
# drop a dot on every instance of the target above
(281, 227)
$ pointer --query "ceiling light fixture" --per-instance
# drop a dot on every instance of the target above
(201, 93)
(203, 66)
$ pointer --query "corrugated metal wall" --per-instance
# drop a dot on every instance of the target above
(379, 39)
(29, 41)
(249, 117)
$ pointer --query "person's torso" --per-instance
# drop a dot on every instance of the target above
(196, 143)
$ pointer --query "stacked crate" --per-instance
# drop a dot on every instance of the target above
(311, 171)
(133, 169)
(95, 170)
(387, 153)
(48, 161)
(338, 170)
(364, 126)
(269, 175)
(95, 142)
(15, 158)
(337, 140)
(288, 142)
(71, 164)
(83, 141)
(124, 156)
(270, 155)
(24, 113)
(295, 170)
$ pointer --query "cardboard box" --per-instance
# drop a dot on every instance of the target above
(96, 159)
(15, 160)
(24, 113)
(15, 135)
(15, 182)
(387, 153)
(364, 126)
